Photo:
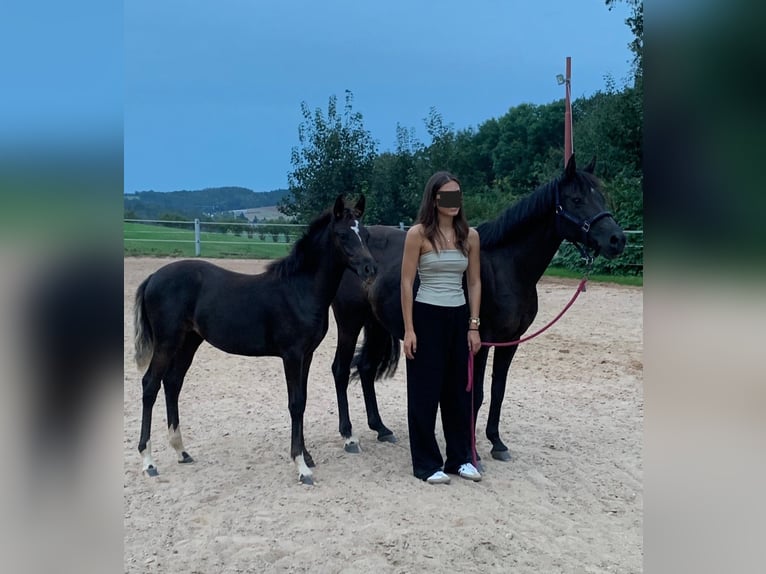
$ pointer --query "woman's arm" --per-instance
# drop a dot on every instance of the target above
(473, 278)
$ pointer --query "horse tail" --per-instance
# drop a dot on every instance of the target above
(378, 354)
(143, 338)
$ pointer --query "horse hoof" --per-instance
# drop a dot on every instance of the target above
(186, 458)
(352, 447)
(308, 480)
(503, 455)
(151, 471)
(387, 438)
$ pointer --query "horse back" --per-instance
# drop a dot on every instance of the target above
(235, 312)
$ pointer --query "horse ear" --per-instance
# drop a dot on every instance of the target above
(571, 168)
(339, 207)
(591, 166)
(359, 207)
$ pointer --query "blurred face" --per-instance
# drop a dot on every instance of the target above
(449, 198)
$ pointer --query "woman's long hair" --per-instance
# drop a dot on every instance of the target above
(428, 215)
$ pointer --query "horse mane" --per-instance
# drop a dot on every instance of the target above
(517, 218)
(298, 258)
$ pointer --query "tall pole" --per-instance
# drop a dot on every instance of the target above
(568, 142)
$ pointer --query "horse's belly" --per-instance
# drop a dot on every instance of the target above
(243, 345)
(281, 341)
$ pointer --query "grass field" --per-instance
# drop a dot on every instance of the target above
(636, 281)
(158, 241)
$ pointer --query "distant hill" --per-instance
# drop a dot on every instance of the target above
(199, 203)
(261, 213)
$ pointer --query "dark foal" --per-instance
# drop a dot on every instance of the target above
(282, 312)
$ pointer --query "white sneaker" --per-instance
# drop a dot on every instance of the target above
(469, 471)
(438, 478)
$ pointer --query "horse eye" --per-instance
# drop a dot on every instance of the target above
(577, 200)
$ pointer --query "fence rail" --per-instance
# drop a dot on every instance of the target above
(213, 238)
(208, 238)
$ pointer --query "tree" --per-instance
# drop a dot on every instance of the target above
(440, 153)
(472, 160)
(529, 146)
(636, 24)
(336, 155)
(609, 125)
(395, 192)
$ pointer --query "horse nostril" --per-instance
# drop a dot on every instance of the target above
(617, 242)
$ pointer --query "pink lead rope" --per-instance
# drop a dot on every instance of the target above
(469, 387)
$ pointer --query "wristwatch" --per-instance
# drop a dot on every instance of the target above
(474, 321)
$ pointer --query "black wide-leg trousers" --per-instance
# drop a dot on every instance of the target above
(436, 378)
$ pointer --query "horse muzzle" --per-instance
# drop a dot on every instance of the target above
(613, 245)
(367, 270)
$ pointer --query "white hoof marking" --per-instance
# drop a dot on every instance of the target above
(303, 469)
(147, 460)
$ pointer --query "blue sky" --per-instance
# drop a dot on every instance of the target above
(61, 77)
(212, 90)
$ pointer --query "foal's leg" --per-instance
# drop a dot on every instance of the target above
(500, 366)
(305, 367)
(341, 369)
(151, 387)
(172, 382)
(296, 403)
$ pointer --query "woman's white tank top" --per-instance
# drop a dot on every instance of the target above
(441, 278)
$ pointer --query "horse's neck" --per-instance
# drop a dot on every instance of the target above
(532, 252)
(327, 272)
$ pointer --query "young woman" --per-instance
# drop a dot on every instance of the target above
(440, 329)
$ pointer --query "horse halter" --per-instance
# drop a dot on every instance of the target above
(585, 226)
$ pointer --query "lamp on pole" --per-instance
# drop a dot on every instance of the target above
(567, 81)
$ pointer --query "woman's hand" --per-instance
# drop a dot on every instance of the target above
(410, 344)
(474, 341)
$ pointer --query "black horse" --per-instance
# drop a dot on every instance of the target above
(516, 248)
(281, 312)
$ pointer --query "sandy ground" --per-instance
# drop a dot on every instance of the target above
(571, 500)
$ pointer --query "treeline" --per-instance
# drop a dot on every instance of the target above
(202, 203)
(498, 163)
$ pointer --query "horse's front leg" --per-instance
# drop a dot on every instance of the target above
(341, 370)
(500, 365)
(305, 367)
(296, 403)
(479, 367)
